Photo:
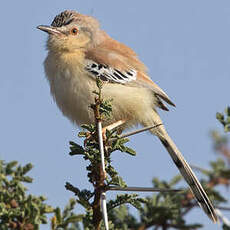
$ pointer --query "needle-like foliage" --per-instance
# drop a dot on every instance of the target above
(164, 210)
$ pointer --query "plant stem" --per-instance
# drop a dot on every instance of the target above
(99, 171)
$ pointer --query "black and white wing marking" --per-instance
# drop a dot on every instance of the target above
(109, 74)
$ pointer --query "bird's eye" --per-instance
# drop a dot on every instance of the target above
(74, 31)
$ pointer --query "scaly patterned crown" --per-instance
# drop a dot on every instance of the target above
(64, 18)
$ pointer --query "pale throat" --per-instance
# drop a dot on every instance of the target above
(68, 59)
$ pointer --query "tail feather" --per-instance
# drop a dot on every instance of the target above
(189, 176)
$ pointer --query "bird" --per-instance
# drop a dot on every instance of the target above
(79, 52)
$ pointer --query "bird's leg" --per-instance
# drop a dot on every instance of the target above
(109, 127)
(112, 126)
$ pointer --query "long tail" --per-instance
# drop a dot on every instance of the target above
(189, 176)
(182, 165)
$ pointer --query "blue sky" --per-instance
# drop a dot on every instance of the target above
(186, 47)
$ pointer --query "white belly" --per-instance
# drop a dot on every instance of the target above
(72, 89)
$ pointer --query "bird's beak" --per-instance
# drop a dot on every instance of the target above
(49, 29)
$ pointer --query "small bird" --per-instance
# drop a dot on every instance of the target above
(78, 53)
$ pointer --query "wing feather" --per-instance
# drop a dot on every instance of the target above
(116, 63)
(110, 74)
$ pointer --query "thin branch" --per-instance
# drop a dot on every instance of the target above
(136, 132)
(141, 189)
(223, 208)
(140, 130)
(104, 210)
(199, 168)
(224, 219)
(101, 193)
(197, 205)
(103, 196)
(101, 146)
(71, 188)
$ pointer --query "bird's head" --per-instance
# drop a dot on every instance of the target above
(70, 31)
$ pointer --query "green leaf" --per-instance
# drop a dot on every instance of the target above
(220, 117)
(227, 111)
(58, 215)
(27, 168)
(74, 218)
(82, 134)
(27, 179)
(95, 92)
(175, 180)
(227, 128)
(99, 82)
(10, 166)
(117, 180)
(48, 209)
(225, 227)
(130, 151)
(76, 149)
(225, 120)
